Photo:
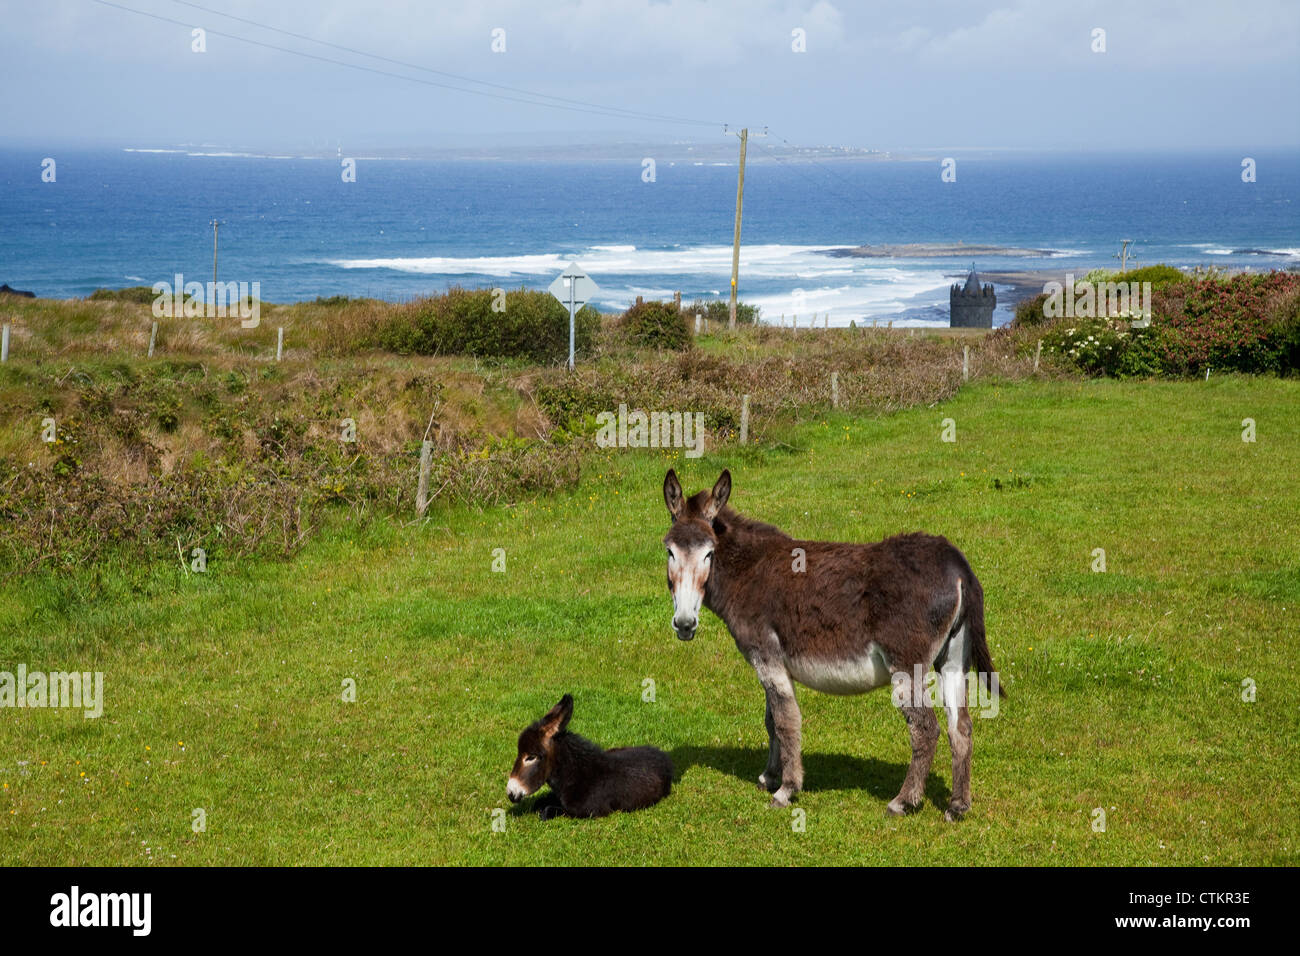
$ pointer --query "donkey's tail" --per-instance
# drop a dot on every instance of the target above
(974, 614)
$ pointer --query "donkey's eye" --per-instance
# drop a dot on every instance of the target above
(530, 759)
(709, 556)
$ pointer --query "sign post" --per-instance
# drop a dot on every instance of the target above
(574, 289)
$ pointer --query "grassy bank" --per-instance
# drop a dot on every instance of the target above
(211, 443)
(223, 690)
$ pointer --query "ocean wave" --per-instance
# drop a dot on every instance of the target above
(779, 278)
(850, 301)
(756, 261)
(497, 266)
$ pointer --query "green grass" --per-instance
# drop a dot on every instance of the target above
(223, 690)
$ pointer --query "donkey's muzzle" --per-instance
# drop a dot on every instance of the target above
(685, 633)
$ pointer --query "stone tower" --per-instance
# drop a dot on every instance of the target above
(971, 306)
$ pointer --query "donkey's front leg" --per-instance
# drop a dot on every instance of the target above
(786, 724)
(770, 779)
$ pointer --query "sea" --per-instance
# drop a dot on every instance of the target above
(414, 226)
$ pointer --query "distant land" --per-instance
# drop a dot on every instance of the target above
(722, 152)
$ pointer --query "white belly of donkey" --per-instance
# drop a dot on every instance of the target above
(852, 675)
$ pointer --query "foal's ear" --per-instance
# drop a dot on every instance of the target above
(718, 497)
(557, 718)
(673, 497)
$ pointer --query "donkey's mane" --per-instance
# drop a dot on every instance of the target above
(740, 527)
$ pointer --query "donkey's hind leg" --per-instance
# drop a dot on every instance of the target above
(924, 729)
(953, 664)
(770, 779)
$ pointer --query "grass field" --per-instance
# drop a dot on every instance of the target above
(223, 690)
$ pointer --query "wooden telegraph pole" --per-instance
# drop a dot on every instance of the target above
(214, 253)
(740, 199)
(1122, 255)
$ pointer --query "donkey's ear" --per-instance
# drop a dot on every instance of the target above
(718, 497)
(673, 497)
(557, 718)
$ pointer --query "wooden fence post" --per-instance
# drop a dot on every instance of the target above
(744, 419)
(4, 344)
(422, 490)
(279, 343)
(153, 337)
(965, 363)
(1038, 353)
(835, 389)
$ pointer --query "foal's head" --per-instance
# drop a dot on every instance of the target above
(536, 756)
(690, 542)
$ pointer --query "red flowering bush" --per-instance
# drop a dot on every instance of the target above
(1245, 323)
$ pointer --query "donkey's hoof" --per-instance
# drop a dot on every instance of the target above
(781, 799)
(897, 807)
(955, 812)
(770, 784)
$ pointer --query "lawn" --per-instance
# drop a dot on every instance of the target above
(223, 690)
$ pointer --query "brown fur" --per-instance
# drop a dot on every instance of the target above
(900, 595)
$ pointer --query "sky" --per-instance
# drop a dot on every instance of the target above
(1023, 74)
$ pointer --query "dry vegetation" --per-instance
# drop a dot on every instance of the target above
(213, 444)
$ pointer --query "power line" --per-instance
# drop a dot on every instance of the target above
(822, 166)
(795, 165)
(632, 114)
(614, 112)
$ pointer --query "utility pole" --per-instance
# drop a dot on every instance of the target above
(1122, 255)
(740, 198)
(214, 254)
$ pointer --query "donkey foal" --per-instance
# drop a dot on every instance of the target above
(585, 780)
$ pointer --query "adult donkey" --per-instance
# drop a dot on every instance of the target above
(839, 618)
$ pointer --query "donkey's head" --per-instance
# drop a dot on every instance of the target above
(536, 756)
(690, 542)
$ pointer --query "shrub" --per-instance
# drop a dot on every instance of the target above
(719, 310)
(533, 325)
(659, 325)
(140, 294)
(1236, 324)
(1094, 346)
(336, 300)
(1031, 311)
(1285, 319)
(1245, 323)
(1158, 275)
